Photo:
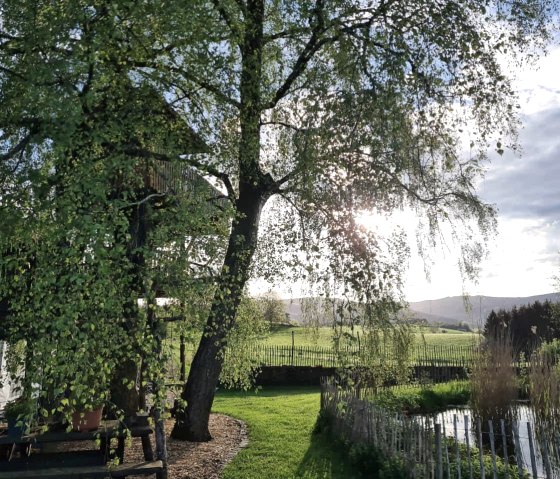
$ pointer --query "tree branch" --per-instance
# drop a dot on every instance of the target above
(223, 177)
(19, 147)
(227, 18)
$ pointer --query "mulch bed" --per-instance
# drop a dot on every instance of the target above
(192, 460)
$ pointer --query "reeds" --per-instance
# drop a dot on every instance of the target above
(543, 377)
(494, 385)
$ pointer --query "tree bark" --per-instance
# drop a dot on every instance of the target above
(192, 423)
(254, 190)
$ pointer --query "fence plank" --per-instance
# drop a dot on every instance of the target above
(532, 451)
(439, 464)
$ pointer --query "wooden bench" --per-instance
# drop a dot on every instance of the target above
(86, 472)
(89, 463)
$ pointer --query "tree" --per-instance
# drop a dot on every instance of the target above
(272, 308)
(317, 110)
(525, 326)
(89, 221)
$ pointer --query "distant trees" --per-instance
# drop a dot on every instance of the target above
(272, 308)
(528, 325)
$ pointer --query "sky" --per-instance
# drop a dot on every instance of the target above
(525, 255)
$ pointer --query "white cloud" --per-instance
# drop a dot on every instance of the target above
(524, 257)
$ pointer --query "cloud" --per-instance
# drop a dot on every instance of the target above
(527, 186)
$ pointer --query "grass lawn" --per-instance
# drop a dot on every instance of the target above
(281, 445)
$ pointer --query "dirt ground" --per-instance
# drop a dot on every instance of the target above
(190, 460)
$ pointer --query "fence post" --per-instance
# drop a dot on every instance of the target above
(467, 440)
(292, 360)
(546, 462)
(517, 447)
(493, 448)
(504, 445)
(532, 451)
(480, 450)
(457, 453)
(439, 459)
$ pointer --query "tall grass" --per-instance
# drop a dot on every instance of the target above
(543, 377)
(494, 385)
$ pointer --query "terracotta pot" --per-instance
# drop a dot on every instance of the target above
(87, 420)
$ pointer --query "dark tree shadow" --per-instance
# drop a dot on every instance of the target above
(325, 459)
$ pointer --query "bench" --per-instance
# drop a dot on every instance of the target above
(89, 463)
(86, 472)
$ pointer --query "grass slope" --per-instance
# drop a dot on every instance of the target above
(281, 444)
(282, 336)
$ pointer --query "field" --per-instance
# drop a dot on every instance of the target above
(314, 347)
(281, 444)
(282, 336)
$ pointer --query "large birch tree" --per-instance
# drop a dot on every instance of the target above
(319, 109)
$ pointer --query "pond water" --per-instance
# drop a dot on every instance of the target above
(466, 426)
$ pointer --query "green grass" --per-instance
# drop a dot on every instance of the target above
(281, 444)
(424, 400)
(282, 336)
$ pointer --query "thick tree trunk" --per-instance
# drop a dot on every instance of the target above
(254, 190)
(192, 423)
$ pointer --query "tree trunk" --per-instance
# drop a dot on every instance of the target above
(192, 423)
(254, 190)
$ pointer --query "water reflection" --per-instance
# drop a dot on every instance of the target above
(459, 423)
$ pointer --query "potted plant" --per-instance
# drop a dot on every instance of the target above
(86, 413)
(17, 413)
(87, 419)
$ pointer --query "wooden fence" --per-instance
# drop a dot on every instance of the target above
(421, 355)
(438, 447)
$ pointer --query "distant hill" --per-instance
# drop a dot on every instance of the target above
(445, 310)
(452, 309)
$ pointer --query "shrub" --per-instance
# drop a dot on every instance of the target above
(424, 400)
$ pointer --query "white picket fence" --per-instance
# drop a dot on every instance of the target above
(440, 447)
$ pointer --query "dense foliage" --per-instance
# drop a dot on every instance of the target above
(311, 111)
(527, 325)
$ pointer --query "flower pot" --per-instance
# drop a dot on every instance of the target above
(87, 420)
(17, 428)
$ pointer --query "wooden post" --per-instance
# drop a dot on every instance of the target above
(493, 448)
(546, 462)
(439, 461)
(517, 447)
(182, 358)
(504, 445)
(468, 442)
(457, 453)
(293, 342)
(480, 450)
(446, 450)
(532, 451)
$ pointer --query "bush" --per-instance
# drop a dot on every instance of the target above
(368, 461)
(16, 408)
(421, 400)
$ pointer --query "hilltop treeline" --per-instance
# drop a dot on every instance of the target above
(528, 326)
